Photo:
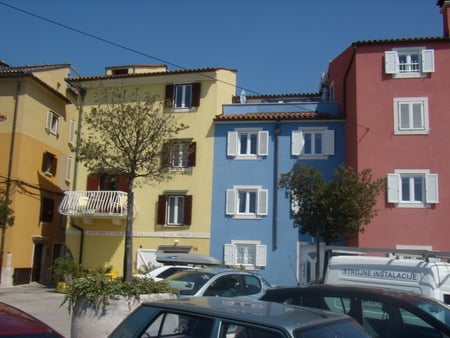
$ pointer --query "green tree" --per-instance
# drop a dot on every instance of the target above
(125, 134)
(332, 210)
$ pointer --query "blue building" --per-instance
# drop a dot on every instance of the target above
(257, 139)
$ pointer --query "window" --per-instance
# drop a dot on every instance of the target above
(411, 115)
(412, 188)
(49, 163)
(47, 206)
(169, 324)
(409, 62)
(248, 143)
(183, 96)
(72, 132)
(105, 182)
(314, 143)
(174, 209)
(52, 125)
(245, 253)
(180, 154)
(246, 202)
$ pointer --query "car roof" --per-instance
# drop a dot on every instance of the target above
(253, 311)
(386, 294)
(15, 322)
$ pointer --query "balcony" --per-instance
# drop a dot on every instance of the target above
(96, 204)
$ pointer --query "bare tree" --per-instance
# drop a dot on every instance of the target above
(125, 134)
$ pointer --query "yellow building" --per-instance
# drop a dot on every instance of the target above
(36, 161)
(172, 216)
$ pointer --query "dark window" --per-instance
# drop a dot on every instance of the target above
(174, 210)
(183, 95)
(179, 154)
(105, 182)
(49, 164)
(47, 206)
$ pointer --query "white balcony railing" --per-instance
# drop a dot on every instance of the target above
(95, 204)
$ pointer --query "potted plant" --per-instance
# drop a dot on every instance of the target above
(98, 303)
(64, 270)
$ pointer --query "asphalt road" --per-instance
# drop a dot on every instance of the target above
(41, 302)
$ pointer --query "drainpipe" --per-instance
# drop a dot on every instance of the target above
(8, 179)
(81, 95)
(275, 189)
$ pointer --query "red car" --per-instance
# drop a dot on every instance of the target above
(17, 323)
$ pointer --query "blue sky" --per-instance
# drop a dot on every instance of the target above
(277, 46)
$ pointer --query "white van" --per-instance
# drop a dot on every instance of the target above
(430, 279)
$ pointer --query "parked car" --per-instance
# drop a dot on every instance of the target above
(164, 271)
(219, 282)
(382, 312)
(203, 317)
(17, 323)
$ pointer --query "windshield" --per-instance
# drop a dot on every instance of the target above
(437, 310)
(189, 282)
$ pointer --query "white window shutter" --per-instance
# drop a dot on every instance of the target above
(328, 142)
(72, 133)
(262, 202)
(232, 143)
(428, 61)
(48, 124)
(393, 188)
(58, 123)
(431, 188)
(261, 255)
(390, 62)
(263, 143)
(228, 254)
(230, 203)
(296, 142)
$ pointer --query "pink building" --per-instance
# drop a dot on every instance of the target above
(396, 96)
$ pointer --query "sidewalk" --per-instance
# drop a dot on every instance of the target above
(41, 302)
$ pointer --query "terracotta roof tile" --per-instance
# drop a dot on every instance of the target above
(273, 116)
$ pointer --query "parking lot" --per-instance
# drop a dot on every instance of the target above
(40, 301)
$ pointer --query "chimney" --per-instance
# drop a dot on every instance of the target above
(445, 10)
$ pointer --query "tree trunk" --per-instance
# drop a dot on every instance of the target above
(128, 254)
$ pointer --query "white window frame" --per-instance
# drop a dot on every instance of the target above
(181, 159)
(186, 98)
(234, 143)
(298, 142)
(409, 101)
(430, 188)
(393, 65)
(178, 210)
(232, 202)
(52, 123)
(231, 254)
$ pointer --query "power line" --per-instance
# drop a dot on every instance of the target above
(115, 44)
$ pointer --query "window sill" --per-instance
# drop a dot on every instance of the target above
(184, 110)
(313, 157)
(246, 217)
(409, 75)
(247, 157)
(411, 132)
(410, 205)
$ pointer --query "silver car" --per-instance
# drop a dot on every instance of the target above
(218, 317)
(219, 282)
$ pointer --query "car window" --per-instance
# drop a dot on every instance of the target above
(252, 285)
(179, 326)
(225, 286)
(233, 330)
(189, 282)
(170, 272)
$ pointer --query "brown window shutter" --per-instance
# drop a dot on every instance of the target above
(196, 94)
(123, 182)
(93, 182)
(187, 210)
(165, 156)
(161, 217)
(168, 99)
(192, 154)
